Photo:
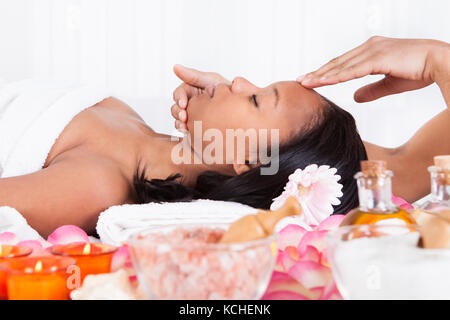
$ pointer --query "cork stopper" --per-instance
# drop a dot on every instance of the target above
(443, 162)
(260, 225)
(373, 168)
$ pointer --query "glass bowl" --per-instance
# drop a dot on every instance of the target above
(187, 262)
(385, 262)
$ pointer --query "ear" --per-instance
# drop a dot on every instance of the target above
(241, 168)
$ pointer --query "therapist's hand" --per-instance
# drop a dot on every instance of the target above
(406, 63)
(194, 83)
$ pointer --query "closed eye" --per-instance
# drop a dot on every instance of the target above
(253, 97)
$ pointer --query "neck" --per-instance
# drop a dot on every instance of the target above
(165, 155)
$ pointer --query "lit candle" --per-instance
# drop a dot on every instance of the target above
(37, 278)
(10, 252)
(92, 258)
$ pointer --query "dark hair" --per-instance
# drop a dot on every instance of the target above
(332, 140)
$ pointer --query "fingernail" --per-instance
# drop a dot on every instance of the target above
(182, 103)
(300, 78)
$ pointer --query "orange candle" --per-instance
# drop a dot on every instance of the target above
(10, 252)
(92, 258)
(37, 278)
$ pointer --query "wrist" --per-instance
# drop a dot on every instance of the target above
(439, 62)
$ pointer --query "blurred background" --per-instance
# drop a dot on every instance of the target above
(131, 46)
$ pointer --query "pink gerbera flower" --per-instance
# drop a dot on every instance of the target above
(316, 188)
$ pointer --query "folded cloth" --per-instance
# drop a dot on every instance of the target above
(116, 224)
(13, 222)
(32, 116)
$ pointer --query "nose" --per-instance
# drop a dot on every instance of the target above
(241, 85)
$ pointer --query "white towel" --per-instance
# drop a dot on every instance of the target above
(116, 224)
(12, 221)
(33, 114)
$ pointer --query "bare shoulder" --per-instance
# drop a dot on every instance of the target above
(93, 174)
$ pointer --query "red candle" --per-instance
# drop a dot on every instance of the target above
(10, 252)
(37, 278)
(92, 258)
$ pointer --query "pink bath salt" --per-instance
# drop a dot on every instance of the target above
(185, 264)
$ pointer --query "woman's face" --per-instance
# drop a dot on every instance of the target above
(284, 106)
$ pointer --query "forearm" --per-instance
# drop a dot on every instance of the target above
(410, 161)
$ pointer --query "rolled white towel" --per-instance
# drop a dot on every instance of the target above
(116, 224)
(12, 221)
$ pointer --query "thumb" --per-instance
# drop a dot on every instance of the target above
(194, 77)
(387, 86)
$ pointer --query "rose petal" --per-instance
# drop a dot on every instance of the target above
(289, 258)
(311, 254)
(283, 295)
(121, 259)
(310, 274)
(402, 203)
(68, 234)
(36, 245)
(281, 281)
(8, 238)
(317, 292)
(313, 238)
(324, 257)
(330, 292)
(278, 262)
(290, 236)
(330, 223)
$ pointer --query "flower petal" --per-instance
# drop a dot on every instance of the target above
(36, 245)
(290, 236)
(281, 281)
(121, 259)
(68, 234)
(402, 203)
(310, 274)
(287, 259)
(283, 295)
(311, 254)
(316, 188)
(330, 292)
(313, 238)
(8, 238)
(332, 222)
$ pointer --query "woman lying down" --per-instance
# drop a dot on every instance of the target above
(107, 155)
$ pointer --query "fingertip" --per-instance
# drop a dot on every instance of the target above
(182, 115)
(307, 79)
(178, 66)
(182, 128)
(360, 97)
(182, 103)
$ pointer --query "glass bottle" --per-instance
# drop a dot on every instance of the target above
(439, 200)
(375, 197)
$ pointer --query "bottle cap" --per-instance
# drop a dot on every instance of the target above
(373, 168)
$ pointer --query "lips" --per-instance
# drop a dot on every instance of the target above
(211, 90)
